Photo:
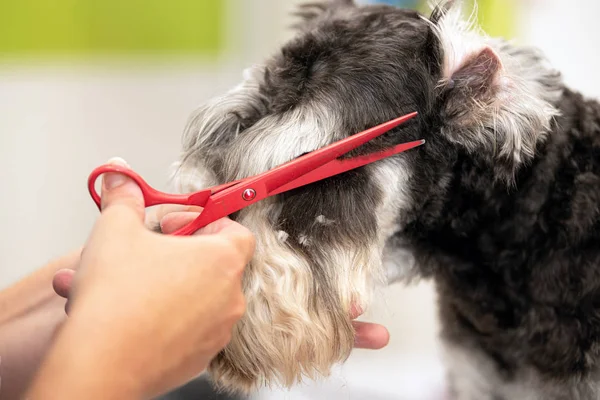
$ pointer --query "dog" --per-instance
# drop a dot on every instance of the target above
(500, 207)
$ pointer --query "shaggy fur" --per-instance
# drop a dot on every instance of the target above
(500, 207)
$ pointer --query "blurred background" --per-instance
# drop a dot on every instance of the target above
(84, 80)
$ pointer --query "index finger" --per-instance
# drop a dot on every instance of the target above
(241, 237)
(163, 210)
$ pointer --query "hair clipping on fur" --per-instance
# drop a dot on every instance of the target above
(223, 200)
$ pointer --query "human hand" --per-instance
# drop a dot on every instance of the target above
(147, 311)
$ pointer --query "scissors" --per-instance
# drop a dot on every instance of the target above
(223, 200)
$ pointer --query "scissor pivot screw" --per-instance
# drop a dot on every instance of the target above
(249, 194)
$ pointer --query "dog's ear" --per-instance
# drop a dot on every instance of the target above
(312, 11)
(470, 90)
(476, 116)
(495, 100)
(471, 96)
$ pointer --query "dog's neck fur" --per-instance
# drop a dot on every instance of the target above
(466, 189)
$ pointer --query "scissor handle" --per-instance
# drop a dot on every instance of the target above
(152, 196)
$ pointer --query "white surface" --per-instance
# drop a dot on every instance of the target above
(58, 123)
(569, 34)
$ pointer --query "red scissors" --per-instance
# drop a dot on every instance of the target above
(223, 200)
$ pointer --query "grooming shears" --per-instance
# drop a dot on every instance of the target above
(223, 200)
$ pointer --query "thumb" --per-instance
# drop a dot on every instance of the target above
(119, 189)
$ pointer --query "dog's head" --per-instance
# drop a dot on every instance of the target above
(321, 248)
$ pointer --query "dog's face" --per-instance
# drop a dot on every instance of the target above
(320, 249)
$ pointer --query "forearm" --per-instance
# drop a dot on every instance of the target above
(82, 365)
(30, 314)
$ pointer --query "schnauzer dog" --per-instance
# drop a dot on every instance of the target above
(500, 207)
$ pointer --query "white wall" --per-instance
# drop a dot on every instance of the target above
(59, 122)
(569, 33)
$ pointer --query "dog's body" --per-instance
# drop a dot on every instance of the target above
(518, 270)
(500, 206)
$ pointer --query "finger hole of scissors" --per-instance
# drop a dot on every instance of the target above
(95, 184)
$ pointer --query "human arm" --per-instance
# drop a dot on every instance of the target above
(30, 314)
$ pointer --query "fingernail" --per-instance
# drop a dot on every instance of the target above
(118, 161)
(114, 180)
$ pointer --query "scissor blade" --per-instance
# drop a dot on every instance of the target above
(228, 199)
(336, 167)
(294, 169)
(220, 188)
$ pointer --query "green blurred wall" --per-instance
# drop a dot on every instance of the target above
(495, 17)
(92, 27)
(80, 28)
(498, 17)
